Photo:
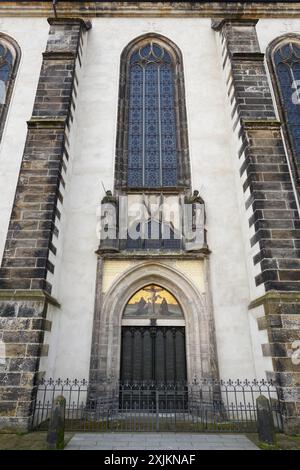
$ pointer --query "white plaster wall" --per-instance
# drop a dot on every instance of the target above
(235, 144)
(31, 35)
(212, 170)
(260, 365)
(259, 337)
(269, 29)
(66, 321)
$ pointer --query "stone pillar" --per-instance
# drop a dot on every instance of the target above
(29, 255)
(270, 204)
(94, 375)
(265, 426)
(56, 431)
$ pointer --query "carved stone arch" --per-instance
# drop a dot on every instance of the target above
(14, 48)
(270, 52)
(121, 158)
(200, 340)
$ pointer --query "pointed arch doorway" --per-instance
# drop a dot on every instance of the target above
(153, 338)
(111, 316)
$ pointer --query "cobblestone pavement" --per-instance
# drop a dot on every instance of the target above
(159, 441)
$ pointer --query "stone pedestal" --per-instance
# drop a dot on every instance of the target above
(265, 427)
(23, 323)
(56, 431)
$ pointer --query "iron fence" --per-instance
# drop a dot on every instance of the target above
(201, 406)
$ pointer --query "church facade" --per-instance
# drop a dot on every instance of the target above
(149, 183)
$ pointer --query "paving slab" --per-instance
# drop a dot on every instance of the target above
(159, 441)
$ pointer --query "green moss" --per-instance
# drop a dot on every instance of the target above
(147, 424)
(29, 441)
(282, 442)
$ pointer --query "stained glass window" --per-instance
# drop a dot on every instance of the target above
(287, 67)
(9, 61)
(152, 145)
(6, 64)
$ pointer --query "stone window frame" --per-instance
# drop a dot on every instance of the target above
(15, 49)
(121, 159)
(270, 52)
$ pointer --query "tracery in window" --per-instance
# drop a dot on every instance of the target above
(152, 144)
(287, 67)
(9, 60)
(6, 63)
(152, 148)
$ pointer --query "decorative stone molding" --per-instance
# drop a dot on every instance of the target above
(189, 233)
(153, 10)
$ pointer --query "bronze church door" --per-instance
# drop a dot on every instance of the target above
(153, 354)
(153, 338)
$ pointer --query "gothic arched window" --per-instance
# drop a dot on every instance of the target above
(152, 149)
(9, 61)
(284, 57)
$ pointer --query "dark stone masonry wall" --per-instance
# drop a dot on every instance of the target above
(32, 225)
(24, 289)
(270, 203)
(263, 164)
(281, 320)
(22, 325)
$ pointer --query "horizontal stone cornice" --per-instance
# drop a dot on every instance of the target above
(201, 254)
(31, 295)
(275, 296)
(247, 56)
(217, 24)
(260, 124)
(34, 295)
(69, 21)
(59, 55)
(46, 123)
(236, 10)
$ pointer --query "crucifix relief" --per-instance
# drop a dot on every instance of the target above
(154, 296)
(153, 302)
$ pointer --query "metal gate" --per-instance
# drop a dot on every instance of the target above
(203, 406)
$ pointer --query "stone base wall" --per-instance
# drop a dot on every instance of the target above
(22, 324)
(281, 320)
